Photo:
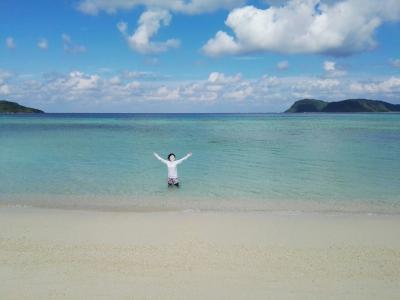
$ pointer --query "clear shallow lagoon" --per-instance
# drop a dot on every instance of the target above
(290, 162)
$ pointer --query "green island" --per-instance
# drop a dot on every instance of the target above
(344, 106)
(8, 107)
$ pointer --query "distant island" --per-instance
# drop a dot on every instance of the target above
(8, 107)
(344, 106)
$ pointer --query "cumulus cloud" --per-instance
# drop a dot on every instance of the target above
(222, 43)
(329, 66)
(93, 7)
(77, 86)
(240, 92)
(79, 81)
(43, 44)
(144, 75)
(332, 70)
(221, 78)
(395, 63)
(10, 43)
(164, 93)
(282, 65)
(304, 26)
(327, 89)
(284, 2)
(148, 25)
(389, 86)
(132, 89)
(157, 14)
(4, 87)
(71, 86)
(4, 74)
(122, 27)
(70, 46)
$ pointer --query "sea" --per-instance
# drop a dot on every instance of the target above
(341, 163)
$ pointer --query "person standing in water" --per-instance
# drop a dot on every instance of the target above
(171, 163)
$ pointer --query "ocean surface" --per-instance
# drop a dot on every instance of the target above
(276, 162)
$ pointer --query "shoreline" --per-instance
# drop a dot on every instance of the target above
(200, 204)
(144, 210)
(81, 254)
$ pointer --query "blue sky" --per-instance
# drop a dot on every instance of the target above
(198, 55)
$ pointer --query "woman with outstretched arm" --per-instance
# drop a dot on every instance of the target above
(171, 163)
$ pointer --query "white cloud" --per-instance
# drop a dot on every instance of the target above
(4, 75)
(284, 2)
(93, 7)
(221, 78)
(395, 63)
(70, 46)
(164, 93)
(10, 43)
(133, 85)
(72, 85)
(313, 86)
(78, 86)
(79, 81)
(329, 66)
(332, 70)
(282, 65)
(304, 26)
(4, 87)
(148, 25)
(389, 86)
(222, 43)
(122, 26)
(132, 89)
(115, 80)
(43, 44)
(324, 84)
(240, 92)
(142, 75)
(157, 14)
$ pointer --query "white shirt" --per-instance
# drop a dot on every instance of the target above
(172, 170)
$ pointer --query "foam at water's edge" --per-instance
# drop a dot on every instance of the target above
(117, 204)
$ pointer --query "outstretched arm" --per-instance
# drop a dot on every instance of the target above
(183, 158)
(159, 158)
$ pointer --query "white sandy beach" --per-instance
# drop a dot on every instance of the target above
(66, 254)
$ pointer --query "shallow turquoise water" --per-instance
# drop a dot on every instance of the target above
(240, 161)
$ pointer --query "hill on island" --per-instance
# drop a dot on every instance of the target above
(13, 107)
(344, 106)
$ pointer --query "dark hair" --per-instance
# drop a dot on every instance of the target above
(169, 155)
